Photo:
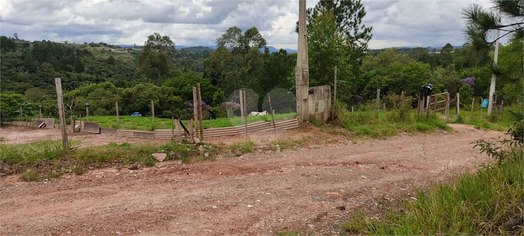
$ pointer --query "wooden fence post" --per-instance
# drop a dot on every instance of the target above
(87, 113)
(195, 107)
(241, 98)
(72, 121)
(335, 88)
(21, 113)
(117, 116)
(378, 100)
(458, 104)
(384, 105)
(428, 101)
(191, 135)
(80, 121)
(245, 112)
(178, 133)
(200, 112)
(501, 107)
(153, 113)
(61, 113)
(273, 111)
(172, 128)
(472, 105)
(352, 110)
(447, 106)
(481, 100)
(420, 108)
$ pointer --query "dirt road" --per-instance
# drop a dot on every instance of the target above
(255, 194)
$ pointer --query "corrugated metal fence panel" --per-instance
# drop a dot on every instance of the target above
(213, 132)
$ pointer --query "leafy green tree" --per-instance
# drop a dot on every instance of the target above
(111, 60)
(392, 72)
(219, 97)
(240, 43)
(10, 106)
(326, 48)
(153, 61)
(466, 94)
(7, 44)
(237, 60)
(183, 87)
(348, 18)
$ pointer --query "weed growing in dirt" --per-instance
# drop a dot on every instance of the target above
(243, 147)
(283, 144)
(79, 170)
(31, 176)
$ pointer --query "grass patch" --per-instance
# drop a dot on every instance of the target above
(475, 204)
(242, 148)
(385, 124)
(46, 159)
(31, 176)
(283, 144)
(495, 122)
(145, 123)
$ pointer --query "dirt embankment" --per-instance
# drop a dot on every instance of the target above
(255, 194)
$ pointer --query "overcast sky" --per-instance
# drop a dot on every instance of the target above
(200, 22)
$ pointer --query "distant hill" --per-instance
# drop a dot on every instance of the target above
(213, 47)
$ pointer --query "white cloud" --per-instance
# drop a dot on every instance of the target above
(200, 22)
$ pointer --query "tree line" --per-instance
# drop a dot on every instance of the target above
(101, 74)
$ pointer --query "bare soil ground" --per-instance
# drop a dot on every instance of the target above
(261, 193)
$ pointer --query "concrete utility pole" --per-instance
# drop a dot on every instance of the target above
(302, 68)
(493, 77)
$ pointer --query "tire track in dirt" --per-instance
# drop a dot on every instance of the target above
(256, 194)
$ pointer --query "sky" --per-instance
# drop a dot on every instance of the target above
(200, 22)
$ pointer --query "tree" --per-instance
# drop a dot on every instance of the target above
(237, 60)
(348, 18)
(153, 61)
(218, 97)
(111, 60)
(184, 83)
(326, 49)
(466, 93)
(240, 43)
(481, 23)
(448, 48)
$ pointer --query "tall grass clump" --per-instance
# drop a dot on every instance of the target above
(487, 202)
(369, 122)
